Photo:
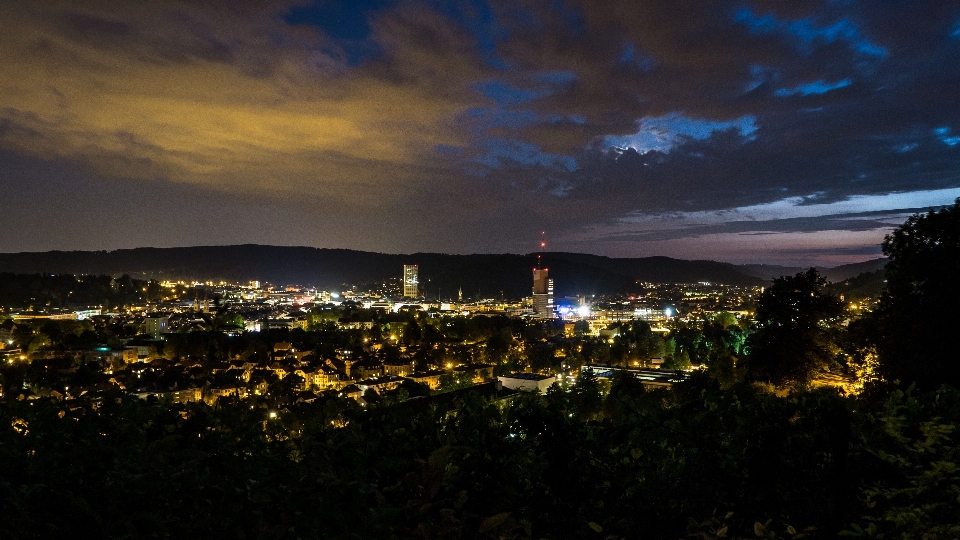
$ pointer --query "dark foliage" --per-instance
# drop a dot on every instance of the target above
(796, 335)
(918, 315)
(652, 465)
(47, 290)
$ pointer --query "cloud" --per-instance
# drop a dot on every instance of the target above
(227, 95)
(473, 126)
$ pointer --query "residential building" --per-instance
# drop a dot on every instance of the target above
(399, 368)
(156, 326)
(430, 378)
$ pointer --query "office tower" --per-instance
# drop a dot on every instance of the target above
(410, 282)
(542, 293)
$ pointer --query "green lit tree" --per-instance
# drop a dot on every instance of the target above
(678, 361)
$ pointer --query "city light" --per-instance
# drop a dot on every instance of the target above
(671, 376)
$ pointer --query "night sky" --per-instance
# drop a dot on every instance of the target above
(793, 132)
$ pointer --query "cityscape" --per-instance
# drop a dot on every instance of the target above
(352, 341)
(485, 270)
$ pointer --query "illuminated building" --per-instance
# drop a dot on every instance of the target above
(156, 326)
(527, 382)
(542, 293)
(410, 281)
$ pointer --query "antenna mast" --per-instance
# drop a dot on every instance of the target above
(543, 246)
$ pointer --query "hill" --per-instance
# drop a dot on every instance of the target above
(865, 285)
(769, 271)
(477, 275)
(834, 274)
(847, 271)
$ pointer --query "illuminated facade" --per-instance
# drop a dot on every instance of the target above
(542, 293)
(410, 281)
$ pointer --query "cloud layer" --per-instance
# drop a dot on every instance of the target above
(474, 125)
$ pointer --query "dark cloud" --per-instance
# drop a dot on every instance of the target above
(853, 222)
(472, 126)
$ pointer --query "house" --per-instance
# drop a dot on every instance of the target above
(128, 355)
(430, 378)
(355, 325)
(185, 395)
(479, 372)
(222, 390)
(354, 392)
(7, 328)
(344, 366)
(367, 369)
(258, 381)
(321, 377)
(399, 368)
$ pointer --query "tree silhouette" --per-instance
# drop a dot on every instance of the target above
(796, 330)
(918, 316)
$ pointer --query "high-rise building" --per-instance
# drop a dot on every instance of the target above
(542, 293)
(410, 281)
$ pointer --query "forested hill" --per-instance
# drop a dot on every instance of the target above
(484, 275)
(835, 274)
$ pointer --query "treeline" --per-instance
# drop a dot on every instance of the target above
(43, 291)
(698, 461)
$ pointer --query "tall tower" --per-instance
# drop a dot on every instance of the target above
(410, 281)
(542, 293)
(542, 287)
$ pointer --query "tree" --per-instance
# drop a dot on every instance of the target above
(678, 361)
(412, 333)
(226, 320)
(498, 344)
(917, 315)
(726, 319)
(581, 328)
(541, 357)
(618, 352)
(622, 401)
(796, 335)
(372, 397)
(455, 381)
(587, 395)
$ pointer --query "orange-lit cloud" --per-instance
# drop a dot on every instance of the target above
(212, 95)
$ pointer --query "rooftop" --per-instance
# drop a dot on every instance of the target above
(527, 376)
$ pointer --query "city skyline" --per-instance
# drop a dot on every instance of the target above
(745, 132)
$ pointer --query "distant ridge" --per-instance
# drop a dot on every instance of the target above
(484, 275)
(835, 274)
(847, 271)
(769, 271)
